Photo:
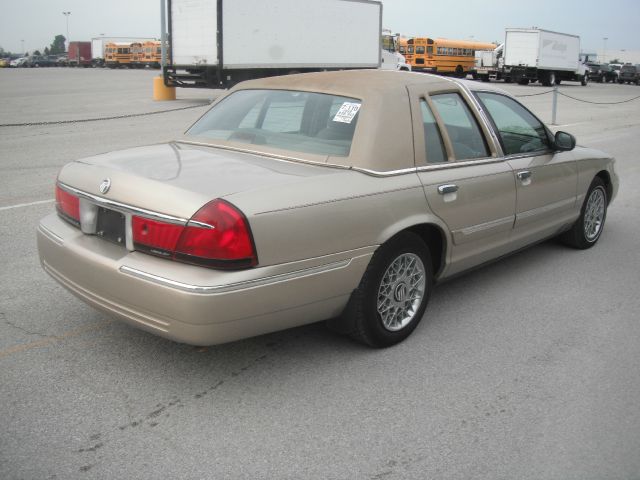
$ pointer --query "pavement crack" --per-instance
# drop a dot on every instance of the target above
(3, 317)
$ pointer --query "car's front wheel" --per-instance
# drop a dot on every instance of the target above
(393, 293)
(588, 228)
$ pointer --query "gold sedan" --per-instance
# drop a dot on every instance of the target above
(337, 195)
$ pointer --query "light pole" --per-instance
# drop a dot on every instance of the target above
(604, 50)
(66, 15)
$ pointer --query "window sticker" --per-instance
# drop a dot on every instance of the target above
(346, 112)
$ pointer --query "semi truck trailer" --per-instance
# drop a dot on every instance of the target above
(216, 43)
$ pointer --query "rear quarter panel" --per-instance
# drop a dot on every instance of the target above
(332, 214)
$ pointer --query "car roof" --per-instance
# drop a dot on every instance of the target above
(384, 135)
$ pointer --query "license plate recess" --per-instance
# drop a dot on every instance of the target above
(111, 226)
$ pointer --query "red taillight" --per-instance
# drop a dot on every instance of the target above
(218, 235)
(161, 237)
(67, 204)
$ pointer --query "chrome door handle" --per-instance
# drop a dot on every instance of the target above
(448, 188)
(524, 174)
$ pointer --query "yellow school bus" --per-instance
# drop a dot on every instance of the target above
(152, 53)
(117, 55)
(402, 46)
(440, 55)
(137, 55)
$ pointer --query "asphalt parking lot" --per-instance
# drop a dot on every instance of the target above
(528, 368)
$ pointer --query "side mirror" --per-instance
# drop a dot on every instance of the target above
(565, 141)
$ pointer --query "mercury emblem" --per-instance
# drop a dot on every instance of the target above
(105, 185)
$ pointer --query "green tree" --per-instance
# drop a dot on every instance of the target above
(46, 50)
(58, 45)
(37, 52)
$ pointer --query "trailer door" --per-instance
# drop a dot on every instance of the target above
(193, 26)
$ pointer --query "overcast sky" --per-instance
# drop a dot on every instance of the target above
(38, 21)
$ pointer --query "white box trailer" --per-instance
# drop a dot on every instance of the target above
(532, 54)
(216, 43)
(98, 44)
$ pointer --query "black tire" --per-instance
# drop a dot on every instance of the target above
(362, 312)
(552, 78)
(588, 228)
(523, 81)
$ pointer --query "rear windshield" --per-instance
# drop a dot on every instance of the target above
(291, 120)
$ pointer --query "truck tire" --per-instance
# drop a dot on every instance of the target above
(523, 81)
(584, 80)
(548, 79)
(484, 78)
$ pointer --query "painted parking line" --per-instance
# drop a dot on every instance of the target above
(22, 205)
(53, 339)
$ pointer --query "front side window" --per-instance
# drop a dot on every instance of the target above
(519, 130)
(291, 120)
(464, 132)
(420, 50)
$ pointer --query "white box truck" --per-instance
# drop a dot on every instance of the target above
(216, 43)
(489, 64)
(533, 54)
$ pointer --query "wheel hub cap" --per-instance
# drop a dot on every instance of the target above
(594, 215)
(401, 291)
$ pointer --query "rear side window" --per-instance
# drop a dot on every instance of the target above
(466, 137)
(519, 130)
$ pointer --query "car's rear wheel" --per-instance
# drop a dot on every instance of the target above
(393, 293)
(588, 228)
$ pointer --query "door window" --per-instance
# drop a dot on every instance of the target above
(519, 130)
(434, 146)
(466, 137)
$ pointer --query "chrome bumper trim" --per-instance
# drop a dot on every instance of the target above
(233, 287)
(123, 207)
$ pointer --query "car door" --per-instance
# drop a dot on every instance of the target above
(546, 180)
(465, 184)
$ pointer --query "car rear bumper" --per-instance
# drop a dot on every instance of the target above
(192, 304)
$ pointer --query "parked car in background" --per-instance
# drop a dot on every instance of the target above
(337, 195)
(601, 72)
(4, 62)
(629, 74)
(36, 61)
(18, 62)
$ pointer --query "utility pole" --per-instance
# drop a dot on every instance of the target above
(66, 14)
(604, 50)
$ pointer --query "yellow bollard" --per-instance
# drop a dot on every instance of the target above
(161, 92)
